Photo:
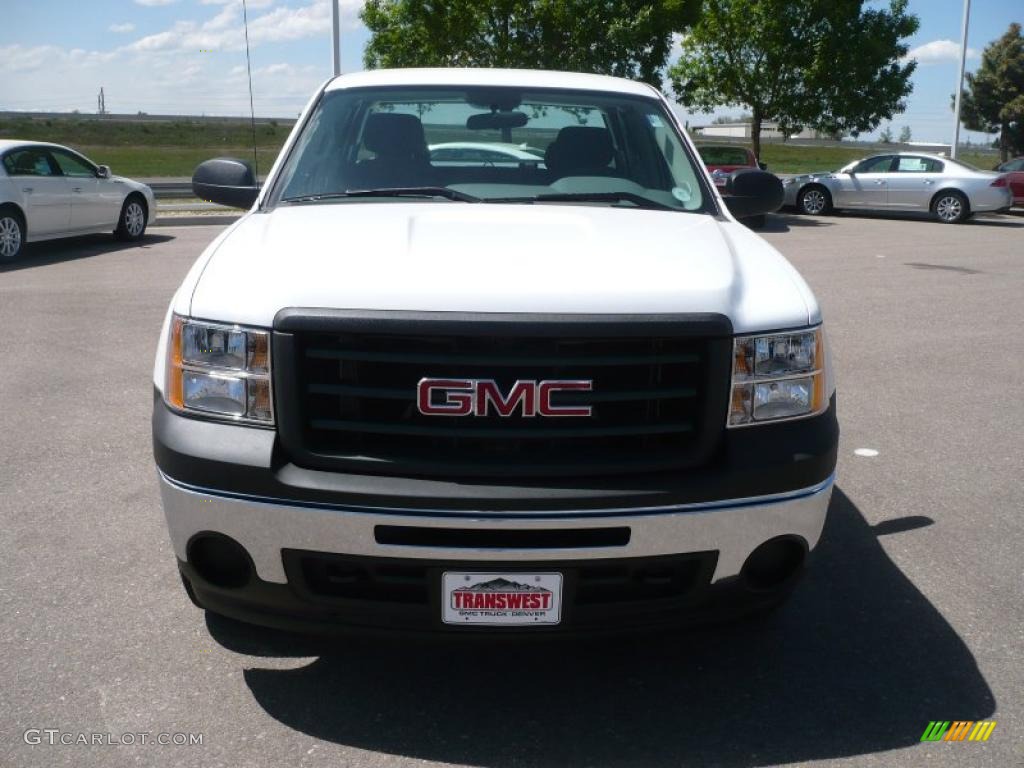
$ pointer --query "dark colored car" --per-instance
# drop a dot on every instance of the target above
(1014, 170)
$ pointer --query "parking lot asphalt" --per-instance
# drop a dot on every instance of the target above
(911, 611)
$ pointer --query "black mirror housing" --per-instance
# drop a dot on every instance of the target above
(496, 121)
(227, 181)
(750, 192)
(103, 172)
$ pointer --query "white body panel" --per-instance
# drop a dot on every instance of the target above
(446, 257)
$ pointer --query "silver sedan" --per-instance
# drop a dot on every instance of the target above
(950, 190)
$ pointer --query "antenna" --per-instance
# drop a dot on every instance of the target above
(252, 111)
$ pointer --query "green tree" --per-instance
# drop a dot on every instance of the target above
(828, 64)
(885, 136)
(628, 38)
(994, 98)
(905, 134)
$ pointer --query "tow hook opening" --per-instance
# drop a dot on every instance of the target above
(774, 563)
(220, 560)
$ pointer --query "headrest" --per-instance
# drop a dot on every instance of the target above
(391, 134)
(579, 147)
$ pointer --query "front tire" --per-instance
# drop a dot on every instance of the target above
(12, 235)
(951, 207)
(814, 200)
(131, 225)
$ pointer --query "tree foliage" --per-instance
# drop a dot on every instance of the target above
(905, 134)
(828, 64)
(627, 38)
(994, 98)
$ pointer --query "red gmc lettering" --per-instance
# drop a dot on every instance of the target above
(488, 392)
(481, 397)
(547, 388)
(458, 400)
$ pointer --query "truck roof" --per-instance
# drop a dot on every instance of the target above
(520, 78)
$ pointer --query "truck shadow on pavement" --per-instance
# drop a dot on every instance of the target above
(58, 251)
(857, 662)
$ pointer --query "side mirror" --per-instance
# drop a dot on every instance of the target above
(762, 166)
(103, 172)
(227, 181)
(753, 193)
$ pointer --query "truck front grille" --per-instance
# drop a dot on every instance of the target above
(350, 396)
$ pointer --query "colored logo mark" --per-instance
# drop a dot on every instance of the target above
(958, 730)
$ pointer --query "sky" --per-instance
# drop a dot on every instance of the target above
(188, 56)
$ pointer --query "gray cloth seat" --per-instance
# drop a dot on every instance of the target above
(581, 151)
(401, 158)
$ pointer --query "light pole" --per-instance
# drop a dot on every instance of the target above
(960, 80)
(337, 39)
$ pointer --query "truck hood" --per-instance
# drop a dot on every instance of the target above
(448, 256)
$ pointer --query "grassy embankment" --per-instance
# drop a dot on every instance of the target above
(175, 148)
(152, 149)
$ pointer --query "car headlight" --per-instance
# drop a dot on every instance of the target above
(218, 370)
(777, 376)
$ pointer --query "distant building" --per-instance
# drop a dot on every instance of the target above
(741, 130)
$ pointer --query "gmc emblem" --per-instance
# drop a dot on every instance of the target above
(480, 397)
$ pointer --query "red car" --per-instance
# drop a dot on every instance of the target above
(1014, 170)
(723, 159)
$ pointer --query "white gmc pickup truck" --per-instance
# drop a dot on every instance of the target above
(489, 353)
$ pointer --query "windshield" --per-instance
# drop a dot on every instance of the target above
(491, 145)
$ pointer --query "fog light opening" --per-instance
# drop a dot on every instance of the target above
(220, 560)
(774, 563)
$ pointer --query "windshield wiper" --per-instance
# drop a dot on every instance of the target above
(450, 194)
(588, 197)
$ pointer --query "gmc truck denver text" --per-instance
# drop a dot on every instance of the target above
(554, 389)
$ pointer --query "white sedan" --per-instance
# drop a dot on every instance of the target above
(49, 191)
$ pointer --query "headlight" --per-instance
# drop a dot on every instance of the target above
(219, 370)
(777, 376)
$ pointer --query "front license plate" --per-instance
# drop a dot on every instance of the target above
(501, 598)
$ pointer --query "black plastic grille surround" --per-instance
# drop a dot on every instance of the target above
(346, 385)
(605, 593)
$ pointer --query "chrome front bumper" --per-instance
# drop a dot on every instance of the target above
(733, 528)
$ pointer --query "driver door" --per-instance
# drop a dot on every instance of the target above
(90, 207)
(866, 185)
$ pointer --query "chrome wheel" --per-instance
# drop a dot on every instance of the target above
(814, 201)
(949, 208)
(134, 219)
(10, 237)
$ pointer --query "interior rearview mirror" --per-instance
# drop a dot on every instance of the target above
(103, 172)
(496, 121)
(750, 192)
(227, 181)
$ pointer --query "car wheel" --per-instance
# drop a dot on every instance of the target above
(12, 235)
(814, 201)
(132, 223)
(950, 207)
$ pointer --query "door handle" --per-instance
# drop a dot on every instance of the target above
(27, 189)
(76, 189)
(928, 182)
(879, 182)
